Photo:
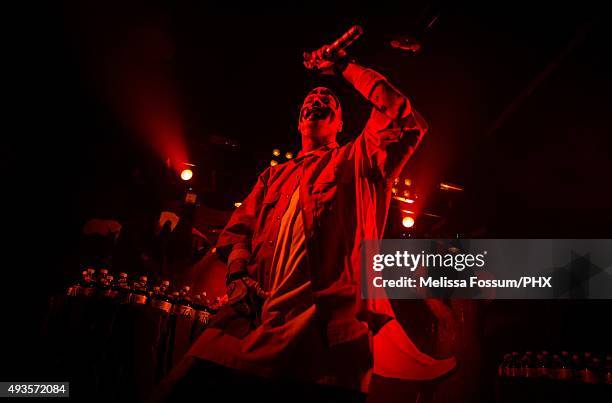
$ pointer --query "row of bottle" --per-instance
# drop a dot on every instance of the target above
(585, 367)
(180, 302)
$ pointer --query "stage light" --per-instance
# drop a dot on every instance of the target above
(276, 152)
(288, 155)
(408, 222)
(403, 199)
(408, 182)
(406, 194)
(273, 163)
(394, 190)
(450, 186)
(186, 174)
(237, 204)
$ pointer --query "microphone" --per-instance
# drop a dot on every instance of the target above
(339, 44)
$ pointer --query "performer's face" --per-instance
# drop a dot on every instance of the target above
(321, 115)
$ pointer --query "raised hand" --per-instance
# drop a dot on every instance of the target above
(323, 62)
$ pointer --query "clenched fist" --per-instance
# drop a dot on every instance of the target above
(325, 63)
(239, 289)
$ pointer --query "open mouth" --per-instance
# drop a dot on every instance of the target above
(315, 112)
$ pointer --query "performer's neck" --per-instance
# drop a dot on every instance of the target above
(312, 143)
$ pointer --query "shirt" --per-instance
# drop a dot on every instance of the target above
(344, 195)
(288, 342)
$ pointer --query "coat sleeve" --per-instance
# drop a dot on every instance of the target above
(235, 240)
(394, 129)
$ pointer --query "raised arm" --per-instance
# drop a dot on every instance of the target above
(394, 128)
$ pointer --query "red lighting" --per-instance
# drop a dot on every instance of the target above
(403, 199)
(408, 222)
(186, 174)
(450, 186)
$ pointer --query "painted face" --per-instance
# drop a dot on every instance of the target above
(320, 104)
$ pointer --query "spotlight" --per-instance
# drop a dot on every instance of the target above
(273, 163)
(237, 204)
(403, 199)
(276, 152)
(288, 155)
(186, 174)
(407, 182)
(451, 187)
(408, 222)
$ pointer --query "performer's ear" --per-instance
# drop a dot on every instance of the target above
(340, 125)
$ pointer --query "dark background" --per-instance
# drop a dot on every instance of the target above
(517, 96)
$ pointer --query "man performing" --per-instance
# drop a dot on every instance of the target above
(295, 320)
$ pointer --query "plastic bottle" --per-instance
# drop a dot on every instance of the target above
(542, 366)
(565, 369)
(87, 285)
(140, 291)
(160, 300)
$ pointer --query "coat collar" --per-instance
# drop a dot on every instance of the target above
(318, 152)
